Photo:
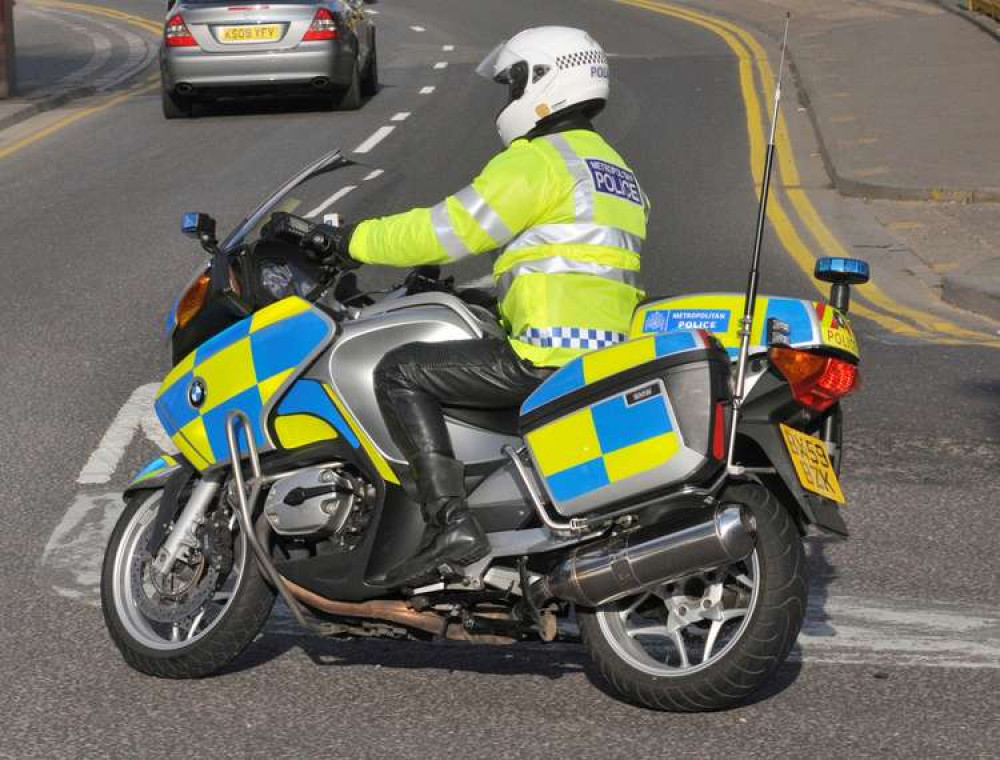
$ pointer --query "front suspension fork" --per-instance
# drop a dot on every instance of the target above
(182, 538)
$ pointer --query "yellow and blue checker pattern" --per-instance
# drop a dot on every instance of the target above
(603, 445)
(311, 412)
(159, 466)
(308, 402)
(241, 368)
(597, 365)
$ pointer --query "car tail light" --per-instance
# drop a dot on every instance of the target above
(817, 381)
(176, 33)
(193, 299)
(323, 27)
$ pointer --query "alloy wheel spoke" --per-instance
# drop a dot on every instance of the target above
(634, 606)
(744, 579)
(194, 625)
(650, 630)
(175, 632)
(732, 614)
(713, 634)
(678, 640)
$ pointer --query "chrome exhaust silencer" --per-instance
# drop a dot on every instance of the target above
(626, 564)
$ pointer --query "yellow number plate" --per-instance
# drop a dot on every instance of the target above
(812, 464)
(255, 33)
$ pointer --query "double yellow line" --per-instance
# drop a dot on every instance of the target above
(871, 301)
(81, 113)
(99, 10)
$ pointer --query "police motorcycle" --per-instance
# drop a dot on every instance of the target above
(609, 497)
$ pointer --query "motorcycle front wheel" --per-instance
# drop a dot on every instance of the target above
(709, 640)
(199, 618)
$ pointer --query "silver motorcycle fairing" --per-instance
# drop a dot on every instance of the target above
(349, 365)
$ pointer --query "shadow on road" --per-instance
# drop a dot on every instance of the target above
(550, 661)
(787, 675)
(985, 389)
(251, 105)
(822, 574)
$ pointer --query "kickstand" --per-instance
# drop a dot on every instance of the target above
(527, 605)
(544, 620)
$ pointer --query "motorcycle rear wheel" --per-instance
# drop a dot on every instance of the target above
(708, 641)
(210, 636)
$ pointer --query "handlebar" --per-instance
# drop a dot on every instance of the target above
(316, 239)
(287, 228)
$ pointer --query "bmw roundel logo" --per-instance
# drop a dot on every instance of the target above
(196, 392)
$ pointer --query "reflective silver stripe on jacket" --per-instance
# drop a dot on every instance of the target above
(583, 192)
(560, 265)
(570, 337)
(578, 234)
(446, 234)
(484, 215)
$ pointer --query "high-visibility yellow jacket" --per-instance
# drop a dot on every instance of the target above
(569, 218)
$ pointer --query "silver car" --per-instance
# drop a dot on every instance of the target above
(321, 47)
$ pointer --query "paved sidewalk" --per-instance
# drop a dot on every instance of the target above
(903, 98)
(62, 55)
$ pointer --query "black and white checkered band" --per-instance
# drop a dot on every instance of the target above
(585, 58)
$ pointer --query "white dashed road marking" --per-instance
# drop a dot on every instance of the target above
(378, 136)
(418, 29)
(331, 200)
(401, 116)
(441, 65)
(427, 90)
(447, 48)
(372, 175)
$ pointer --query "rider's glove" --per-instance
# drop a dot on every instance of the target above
(324, 241)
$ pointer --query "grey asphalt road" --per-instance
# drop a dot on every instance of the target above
(900, 655)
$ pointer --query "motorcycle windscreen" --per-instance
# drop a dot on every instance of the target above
(241, 368)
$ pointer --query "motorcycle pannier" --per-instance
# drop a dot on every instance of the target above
(630, 421)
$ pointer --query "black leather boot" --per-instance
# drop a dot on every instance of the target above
(451, 536)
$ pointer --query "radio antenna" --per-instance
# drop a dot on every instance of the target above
(750, 301)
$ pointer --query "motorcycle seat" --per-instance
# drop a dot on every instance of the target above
(504, 421)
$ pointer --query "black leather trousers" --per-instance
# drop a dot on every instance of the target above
(414, 381)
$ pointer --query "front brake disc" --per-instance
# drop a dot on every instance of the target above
(173, 608)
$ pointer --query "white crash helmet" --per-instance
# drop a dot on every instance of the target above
(547, 69)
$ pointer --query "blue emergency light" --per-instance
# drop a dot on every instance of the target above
(836, 269)
(189, 223)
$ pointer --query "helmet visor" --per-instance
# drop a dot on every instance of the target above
(502, 67)
(488, 66)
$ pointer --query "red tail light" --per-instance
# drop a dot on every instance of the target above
(719, 432)
(323, 27)
(817, 381)
(176, 33)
